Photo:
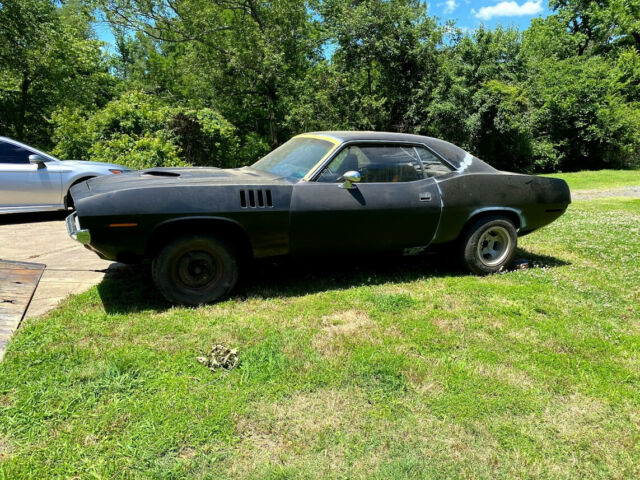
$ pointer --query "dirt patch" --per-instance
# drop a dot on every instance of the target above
(571, 415)
(506, 373)
(424, 382)
(6, 449)
(449, 324)
(299, 425)
(187, 453)
(617, 192)
(341, 327)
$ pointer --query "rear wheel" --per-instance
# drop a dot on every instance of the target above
(196, 269)
(490, 245)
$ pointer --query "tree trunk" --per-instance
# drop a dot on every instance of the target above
(271, 116)
(22, 111)
(636, 37)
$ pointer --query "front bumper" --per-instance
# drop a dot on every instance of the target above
(74, 230)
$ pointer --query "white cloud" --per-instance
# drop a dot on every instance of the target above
(509, 9)
(450, 6)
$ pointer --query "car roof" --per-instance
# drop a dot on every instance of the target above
(454, 154)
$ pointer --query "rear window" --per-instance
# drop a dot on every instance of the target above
(451, 153)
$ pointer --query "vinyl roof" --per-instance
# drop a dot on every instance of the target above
(451, 152)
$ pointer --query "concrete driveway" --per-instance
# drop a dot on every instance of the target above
(42, 238)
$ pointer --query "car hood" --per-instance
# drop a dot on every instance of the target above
(87, 163)
(181, 176)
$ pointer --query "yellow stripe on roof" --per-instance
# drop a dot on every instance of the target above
(320, 137)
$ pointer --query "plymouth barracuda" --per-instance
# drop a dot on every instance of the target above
(322, 193)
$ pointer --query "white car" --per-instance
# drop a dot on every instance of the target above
(34, 181)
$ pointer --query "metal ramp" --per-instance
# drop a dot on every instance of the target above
(18, 282)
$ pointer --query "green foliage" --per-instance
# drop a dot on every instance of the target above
(144, 151)
(204, 137)
(385, 51)
(227, 80)
(581, 110)
(500, 127)
(139, 131)
(479, 103)
(48, 60)
(71, 134)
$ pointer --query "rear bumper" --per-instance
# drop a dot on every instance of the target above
(74, 230)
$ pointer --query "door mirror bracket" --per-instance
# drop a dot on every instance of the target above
(37, 160)
(350, 178)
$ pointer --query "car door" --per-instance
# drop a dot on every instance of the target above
(395, 206)
(26, 185)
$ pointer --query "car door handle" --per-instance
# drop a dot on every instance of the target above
(424, 196)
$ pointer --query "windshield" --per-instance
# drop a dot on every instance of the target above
(294, 158)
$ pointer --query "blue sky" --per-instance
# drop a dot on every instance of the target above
(468, 14)
(471, 14)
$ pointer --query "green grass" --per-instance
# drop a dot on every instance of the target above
(402, 369)
(600, 180)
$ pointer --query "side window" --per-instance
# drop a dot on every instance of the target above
(433, 167)
(10, 153)
(376, 164)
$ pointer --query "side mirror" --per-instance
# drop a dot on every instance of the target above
(37, 159)
(350, 178)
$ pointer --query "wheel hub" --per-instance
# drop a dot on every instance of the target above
(197, 269)
(494, 245)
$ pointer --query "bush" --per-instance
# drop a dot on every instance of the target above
(139, 131)
(580, 109)
(146, 151)
(71, 134)
(204, 135)
(500, 128)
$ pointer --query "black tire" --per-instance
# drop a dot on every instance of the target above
(195, 269)
(489, 245)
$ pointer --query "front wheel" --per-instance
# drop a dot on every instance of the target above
(490, 245)
(196, 269)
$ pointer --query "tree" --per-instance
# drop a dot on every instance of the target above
(473, 60)
(582, 110)
(241, 57)
(47, 59)
(384, 52)
(601, 24)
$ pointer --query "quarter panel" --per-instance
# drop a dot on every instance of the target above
(536, 200)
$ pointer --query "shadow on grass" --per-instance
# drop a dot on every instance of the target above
(130, 289)
(538, 261)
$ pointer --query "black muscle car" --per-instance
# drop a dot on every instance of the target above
(321, 193)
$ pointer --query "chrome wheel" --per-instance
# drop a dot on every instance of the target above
(494, 246)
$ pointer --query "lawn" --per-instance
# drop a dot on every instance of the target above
(396, 369)
(600, 180)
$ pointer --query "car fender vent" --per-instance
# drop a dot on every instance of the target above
(256, 198)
